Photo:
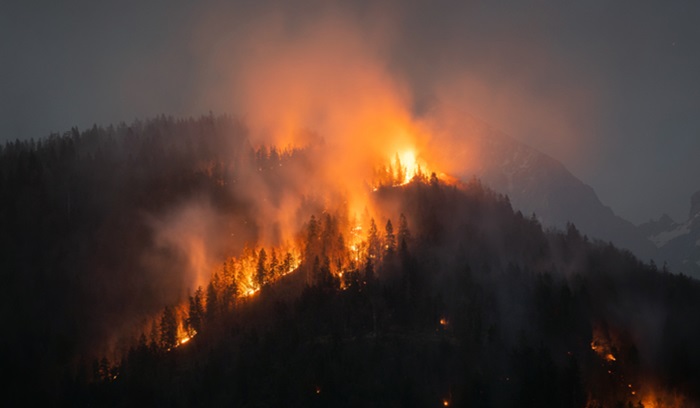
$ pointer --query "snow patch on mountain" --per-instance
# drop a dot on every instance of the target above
(678, 243)
(660, 240)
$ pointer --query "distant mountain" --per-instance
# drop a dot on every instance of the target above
(678, 243)
(653, 228)
(537, 183)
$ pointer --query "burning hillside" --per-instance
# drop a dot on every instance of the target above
(413, 262)
(173, 229)
(317, 250)
(267, 274)
(335, 244)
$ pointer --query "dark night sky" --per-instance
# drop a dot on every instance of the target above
(609, 88)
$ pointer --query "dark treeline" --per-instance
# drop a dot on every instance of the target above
(464, 303)
(453, 298)
(79, 259)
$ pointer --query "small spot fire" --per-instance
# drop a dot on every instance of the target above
(624, 382)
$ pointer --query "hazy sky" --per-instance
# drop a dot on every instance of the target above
(610, 88)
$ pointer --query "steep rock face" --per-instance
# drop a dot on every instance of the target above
(537, 183)
(679, 244)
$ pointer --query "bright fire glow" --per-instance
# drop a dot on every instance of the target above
(401, 168)
(646, 391)
(410, 166)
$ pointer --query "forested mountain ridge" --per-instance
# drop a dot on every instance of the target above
(496, 311)
(449, 298)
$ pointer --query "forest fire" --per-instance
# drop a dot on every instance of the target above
(338, 246)
(405, 167)
(624, 383)
(312, 251)
(343, 241)
(359, 271)
(603, 351)
(411, 168)
(658, 399)
(601, 344)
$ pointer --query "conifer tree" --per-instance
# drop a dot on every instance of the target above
(168, 329)
(212, 308)
(196, 311)
(261, 269)
(373, 242)
(389, 239)
(404, 235)
(274, 269)
(287, 263)
(311, 248)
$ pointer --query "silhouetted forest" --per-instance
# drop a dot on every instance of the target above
(80, 257)
(451, 299)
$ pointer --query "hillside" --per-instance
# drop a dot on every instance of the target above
(478, 306)
(150, 265)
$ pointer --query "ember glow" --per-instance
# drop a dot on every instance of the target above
(602, 351)
(623, 384)
(602, 344)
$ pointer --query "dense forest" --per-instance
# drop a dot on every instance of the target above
(442, 295)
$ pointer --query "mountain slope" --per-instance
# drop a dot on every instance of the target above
(462, 301)
(478, 307)
(679, 244)
(537, 183)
